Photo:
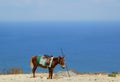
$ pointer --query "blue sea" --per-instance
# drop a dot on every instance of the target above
(88, 46)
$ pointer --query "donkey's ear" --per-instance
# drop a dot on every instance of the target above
(59, 56)
(63, 56)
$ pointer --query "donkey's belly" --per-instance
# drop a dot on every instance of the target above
(40, 65)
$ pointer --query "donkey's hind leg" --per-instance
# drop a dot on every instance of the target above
(33, 70)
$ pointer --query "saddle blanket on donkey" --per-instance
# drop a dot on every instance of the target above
(44, 60)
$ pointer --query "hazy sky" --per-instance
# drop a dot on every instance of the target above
(59, 10)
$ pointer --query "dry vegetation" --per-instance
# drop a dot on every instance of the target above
(14, 70)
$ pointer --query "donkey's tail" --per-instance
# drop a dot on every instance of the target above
(31, 63)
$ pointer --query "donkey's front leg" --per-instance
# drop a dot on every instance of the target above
(50, 73)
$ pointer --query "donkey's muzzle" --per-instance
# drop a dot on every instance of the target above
(63, 66)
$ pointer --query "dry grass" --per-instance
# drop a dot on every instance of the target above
(14, 70)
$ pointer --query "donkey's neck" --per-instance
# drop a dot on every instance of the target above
(55, 61)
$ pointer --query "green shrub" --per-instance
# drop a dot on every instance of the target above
(113, 74)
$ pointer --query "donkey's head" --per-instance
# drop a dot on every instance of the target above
(61, 61)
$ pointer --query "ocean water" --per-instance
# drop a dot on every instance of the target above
(88, 46)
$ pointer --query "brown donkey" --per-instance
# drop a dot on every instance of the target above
(56, 60)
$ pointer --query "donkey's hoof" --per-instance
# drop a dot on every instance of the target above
(49, 78)
(33, 76)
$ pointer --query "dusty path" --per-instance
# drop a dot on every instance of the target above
(58, 78)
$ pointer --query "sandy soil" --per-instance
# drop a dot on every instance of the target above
(59, 77)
